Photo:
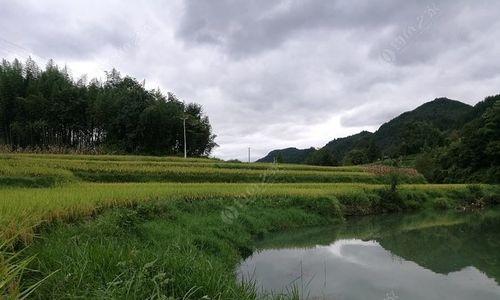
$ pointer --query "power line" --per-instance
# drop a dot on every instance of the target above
(10, 46)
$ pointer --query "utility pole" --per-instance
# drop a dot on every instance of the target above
(185, 144)
(184, 125)
(249, 154)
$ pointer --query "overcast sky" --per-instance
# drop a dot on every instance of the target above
(273, 74)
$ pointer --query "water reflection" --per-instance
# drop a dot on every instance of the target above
(412, 257)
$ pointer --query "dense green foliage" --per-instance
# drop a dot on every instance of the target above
(473, 154)
(321, 157)
(341, 147)
(47, 110)
(365, 151)
(397, 136)
(410, 133)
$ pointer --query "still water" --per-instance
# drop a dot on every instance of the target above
(425, 256)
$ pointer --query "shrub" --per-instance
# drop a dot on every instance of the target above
(324, 206)
(356, 203)
(492, 197)
(473, 195)
(390, 200)
(442, 203)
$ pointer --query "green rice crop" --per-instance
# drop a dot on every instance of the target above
(49, 170)
(81, 185)
(23, 209)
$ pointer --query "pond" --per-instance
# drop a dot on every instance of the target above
(423, 256)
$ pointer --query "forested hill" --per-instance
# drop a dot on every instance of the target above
(341, 146)
(289, 155)
(391, 138)
(47, 110)
(449, 141)
(398, 135)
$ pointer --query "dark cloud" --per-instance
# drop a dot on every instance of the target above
(250, 27)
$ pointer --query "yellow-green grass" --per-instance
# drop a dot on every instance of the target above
(106, 157)
(81, 185)
(23, 209)
(104, 161)
(49, 170)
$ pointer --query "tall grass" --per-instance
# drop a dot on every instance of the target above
(12, 267)
(23, 209)
(178, 249)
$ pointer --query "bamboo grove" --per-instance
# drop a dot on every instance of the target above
(48, 109)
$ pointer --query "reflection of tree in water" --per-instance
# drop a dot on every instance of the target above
(445, 249)
(396, 258)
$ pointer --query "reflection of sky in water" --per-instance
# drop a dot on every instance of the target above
(356, 269)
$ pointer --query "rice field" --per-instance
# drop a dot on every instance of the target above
(52, 170)
(38, 189)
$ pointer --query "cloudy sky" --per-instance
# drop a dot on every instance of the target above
(273, 74)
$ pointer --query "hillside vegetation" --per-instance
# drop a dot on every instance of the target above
(447, 140)
(288, 155)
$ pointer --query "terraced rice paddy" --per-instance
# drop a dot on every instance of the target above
(70, 185)
(48, 170)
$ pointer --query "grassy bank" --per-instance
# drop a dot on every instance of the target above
(22, 210)
(188, 248)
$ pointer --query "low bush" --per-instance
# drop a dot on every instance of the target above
(390, 200)
(442, 203)
(357, 203)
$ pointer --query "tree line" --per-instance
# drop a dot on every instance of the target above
(44, 109)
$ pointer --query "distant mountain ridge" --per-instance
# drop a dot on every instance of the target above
(442, 114)
(289, 155)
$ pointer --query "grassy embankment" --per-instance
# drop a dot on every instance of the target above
(179, 228)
